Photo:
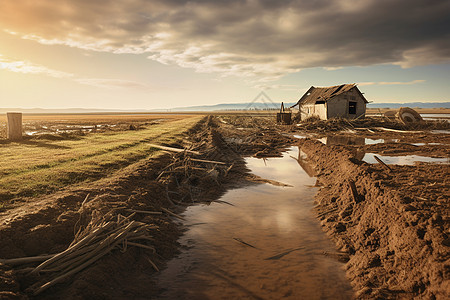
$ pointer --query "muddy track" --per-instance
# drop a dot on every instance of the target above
(395, 231)
(48, 224)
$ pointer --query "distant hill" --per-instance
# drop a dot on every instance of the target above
(57, 110)
(276, 105)
(215, 107)
(410, 104)
(232, 106)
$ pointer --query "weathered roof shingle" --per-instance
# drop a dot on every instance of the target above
(326, 93)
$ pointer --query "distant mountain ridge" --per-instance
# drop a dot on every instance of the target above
(215, 107)
(410, 104)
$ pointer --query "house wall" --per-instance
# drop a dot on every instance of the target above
(310, 110)
(339, 106)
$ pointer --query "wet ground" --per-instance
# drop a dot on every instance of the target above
(263, 242)
(404, 160)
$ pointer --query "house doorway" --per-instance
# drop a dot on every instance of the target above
(352, 108)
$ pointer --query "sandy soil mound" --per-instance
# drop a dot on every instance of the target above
(393, 224)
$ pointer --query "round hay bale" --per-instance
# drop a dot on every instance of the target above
(408, 115)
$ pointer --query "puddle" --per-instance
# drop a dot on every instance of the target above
(427, 144)
(353, 140)
(406, 160)
(440, 131)
(436, 116)
(274, 220)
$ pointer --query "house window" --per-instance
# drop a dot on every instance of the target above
(351, 108)
(320, 102)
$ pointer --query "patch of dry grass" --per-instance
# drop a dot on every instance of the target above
(39, 166)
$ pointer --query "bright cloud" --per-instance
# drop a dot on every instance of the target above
(26, 67)
(392, 82)
(259, 38)
(112, 83)
(30, 68)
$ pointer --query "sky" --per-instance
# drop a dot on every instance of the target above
(150, 54)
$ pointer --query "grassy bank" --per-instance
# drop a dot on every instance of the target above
(39, 166)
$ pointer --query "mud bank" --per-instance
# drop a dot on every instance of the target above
(48, 224)
(393, 224)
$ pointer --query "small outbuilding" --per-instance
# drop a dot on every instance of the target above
(340, 101)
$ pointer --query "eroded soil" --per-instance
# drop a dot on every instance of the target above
(393, 226)
(47, 225)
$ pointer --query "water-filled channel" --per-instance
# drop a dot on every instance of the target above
(264, 244)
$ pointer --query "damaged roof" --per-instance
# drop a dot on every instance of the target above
(326, 93)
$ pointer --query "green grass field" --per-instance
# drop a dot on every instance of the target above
(35, 167)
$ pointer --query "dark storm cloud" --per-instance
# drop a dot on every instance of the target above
(254, 37)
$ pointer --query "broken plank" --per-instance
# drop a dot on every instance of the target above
(382, 163)
(258, 179)
(352, 185)
(209, 161)
(396, 130)
(144, 212)
(172, 214)
(174, 149)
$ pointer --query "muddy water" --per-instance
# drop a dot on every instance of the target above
(404, 160)
(285, 255)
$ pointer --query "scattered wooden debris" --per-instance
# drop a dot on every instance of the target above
(354, 191)
(382, 163)
(173, 214)
(396, 130)
(101, 236)
(327, 212)
(208, 161)
(256, 178)
(144, 212)
(174, 149)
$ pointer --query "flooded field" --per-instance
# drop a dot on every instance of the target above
(263, 242)
(257, 235)
(40, 125)
(404, 160)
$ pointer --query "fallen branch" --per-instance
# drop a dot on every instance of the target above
(145, 212)
(354, 191)
(326, 212)
(25, 260)
(256, 178)
(173, 214)
(209, 161)
(396, 130)
(174, 149)
(382, 163)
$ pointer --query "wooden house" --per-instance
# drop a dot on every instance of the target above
(340, 101)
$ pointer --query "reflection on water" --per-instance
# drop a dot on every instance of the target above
(405, 160)
(436, 116)
(274, 220)
(353, 140)
(427, 144)
(440, 131)
(342, 140)
(306, 164)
